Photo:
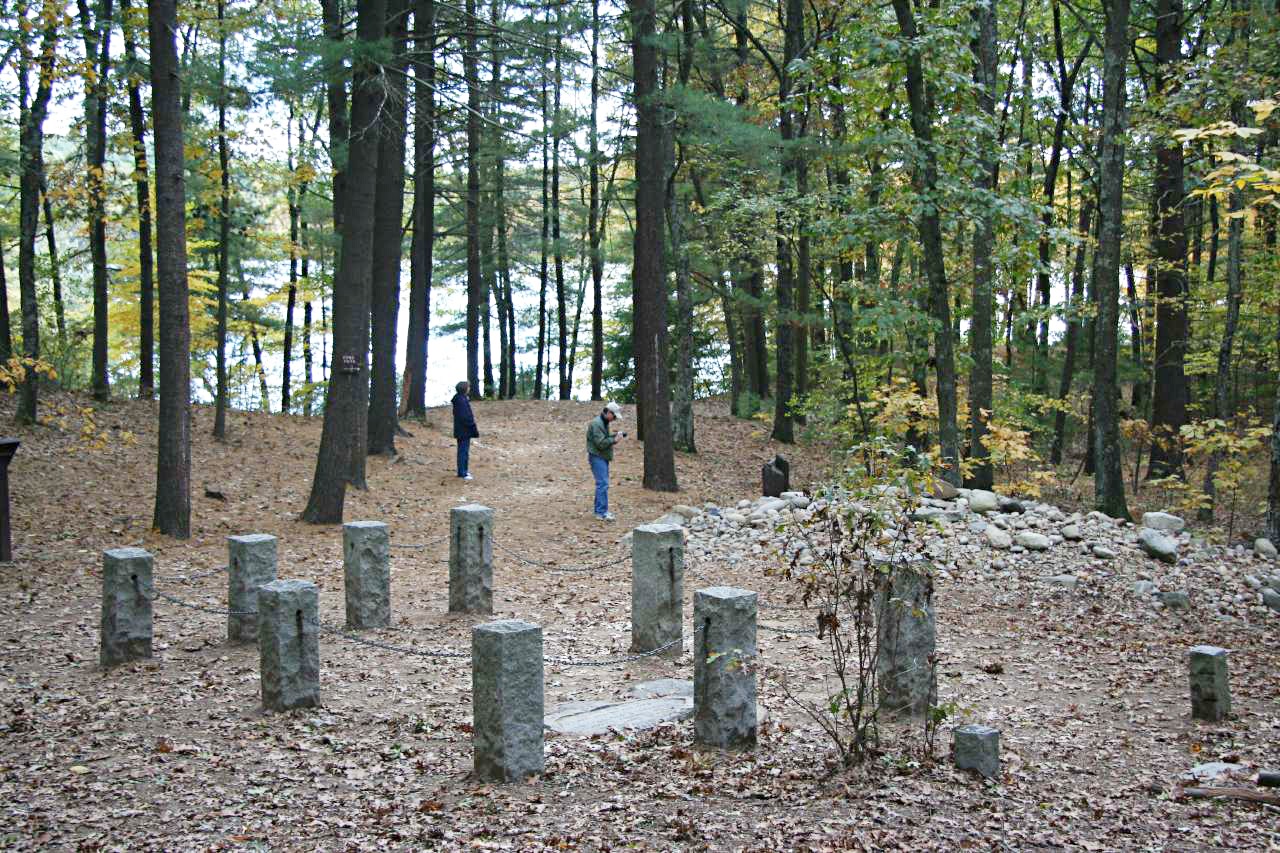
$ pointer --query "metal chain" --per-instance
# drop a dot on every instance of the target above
(766, 606)
(404, 650)
(195, 577)
(216, 611)
(612, 661)
(427, 544)
(780, 629)
(552, 566)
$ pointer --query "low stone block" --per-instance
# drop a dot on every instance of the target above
(1210, 690)
(657, 589)
(366, 560)
(251, 564)
(983, 501)
(1163, 521)
(724, 660)
(506, 700)
(289, 644)
(471, 559)
(127, 591)
(906, 629)
(978, 748)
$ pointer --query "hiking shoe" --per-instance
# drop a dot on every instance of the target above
(467, 477)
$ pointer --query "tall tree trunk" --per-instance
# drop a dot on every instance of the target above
(475, 286)
(505, 293)
(1071, 344)
(594, 225)
(32, 110)
(986, 69)
(925, 179)
(682, 397)
(556, 247)
(649, 279)
(96, 31)
(6, 333)
(1108, 477)
(1138, 396)
(546, 231)
(388, 221)
(1273, 489)
(1169, 395)
(55, 269)
(341, 438)
(291, 201)
(142, 194)
(173, 444)
(336, 101)
(788, 327)
(224, 228)
(424, 203)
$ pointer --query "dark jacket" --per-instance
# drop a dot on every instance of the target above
(599, 441)
(464, 422)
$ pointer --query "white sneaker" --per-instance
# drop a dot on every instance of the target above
(608, 516)
(468, 477)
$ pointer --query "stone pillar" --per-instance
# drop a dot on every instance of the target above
(366, 559)
(978, 748)
(506, 700)
(289, 644)
(127, 591)
(251, 563)
(471, 559)
(724, 659)
(1210, 692)
(657, 588)
(905, 632)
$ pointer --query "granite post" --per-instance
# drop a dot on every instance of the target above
(724, 659)
(905, 632)
(506, 700)
(366, 560)
(471, 559)
(127, 591)
(1210, 691)
(978, 748)
(657, 588)
(289, 644)
(251, 563)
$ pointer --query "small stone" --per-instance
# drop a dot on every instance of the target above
(798, 500)
(689, 513)
(1271, 599)
(1163, 521)
(1102, 552)
(1071, 533)
(1143, 588)
(997, 538)
(1010, 505)
(944, 490)
(1176, 600)
(1264, 548)
(978, 748)
(1032, 541)
(981, 501)
(1210, 691)
(1065, 581)
(1157, 544)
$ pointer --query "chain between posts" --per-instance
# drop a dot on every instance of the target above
(195, 577)
(552, 567)
(559, 661)
(391, 647)
(216, 611)
(427, 544)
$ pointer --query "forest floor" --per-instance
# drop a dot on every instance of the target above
(1088, 687)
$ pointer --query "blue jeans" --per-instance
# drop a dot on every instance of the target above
(464, 455)
(600, 470)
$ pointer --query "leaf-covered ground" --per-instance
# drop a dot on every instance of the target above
(1088, 687)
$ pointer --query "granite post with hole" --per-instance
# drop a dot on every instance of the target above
(657, 588)
(977, 747)
(471, 559)
(506, 700)
(366, 561)
(724, 661)
(906, 628)
(127, 590)
(289, 644)
(1210, 691)
(251, 563)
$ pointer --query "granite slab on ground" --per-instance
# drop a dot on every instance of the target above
(647, 705)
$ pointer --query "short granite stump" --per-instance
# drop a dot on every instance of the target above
(366, 561)
(978, 748)
(471, 559)
(251, 564)
(657, 589)
(506, 700)
(724, 660)
(289, 644)
(1210, 690)
(127, 591)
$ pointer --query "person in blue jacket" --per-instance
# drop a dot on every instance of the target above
(464, 428)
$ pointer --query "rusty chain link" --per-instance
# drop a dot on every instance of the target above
(552, 566)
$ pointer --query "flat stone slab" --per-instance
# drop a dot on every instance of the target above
(586, 718)
(662, 687)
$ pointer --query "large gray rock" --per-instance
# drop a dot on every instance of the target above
(769, 505)
(506, 700)
(366, 560)
(657, 589)
(1102, 552)
(1032, 541)
(595, 718)
(997, 538)
(1158, 545)
(1271, 598)
(724, 664)
(289, 644)
(1177, 599)
(1264, 549)
(978, 748)
(1163, 521)
(471, 559)
(983, 501)
(1071, 532)
(251, 564)
(1210, 691)
(127, 591)
(906, 634)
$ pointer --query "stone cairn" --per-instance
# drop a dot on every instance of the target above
(657, 589)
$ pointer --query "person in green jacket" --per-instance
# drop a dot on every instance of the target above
(600, 453)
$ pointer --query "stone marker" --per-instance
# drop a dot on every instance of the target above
(657, 588)
(775, 477)
(251, 563)
(289, 644)
(366, 560)
(1163, 521)
(906, 629)
(506, 700)
(1210, 692)
(724, 658)
(471, 559)
(126, 605)
(978, 748)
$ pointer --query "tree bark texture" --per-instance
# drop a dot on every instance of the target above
(424, 203)
(142, 193)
